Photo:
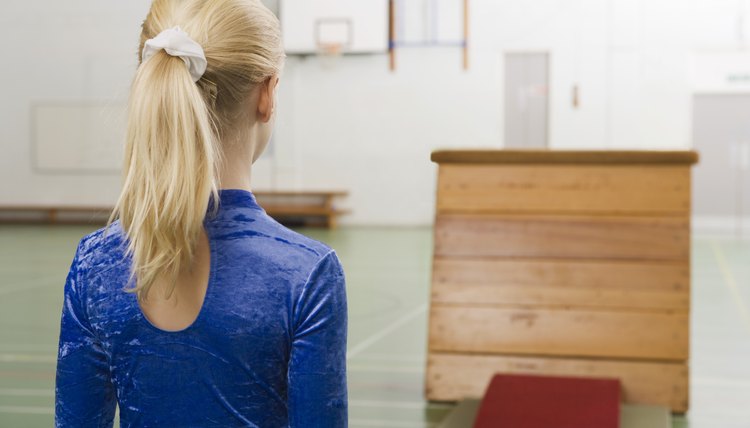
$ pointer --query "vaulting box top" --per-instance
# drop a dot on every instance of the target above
(548, 156)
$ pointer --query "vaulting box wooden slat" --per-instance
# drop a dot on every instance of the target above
(563, 332)
(562, 263)
(613, 189)
(545, 282)
(589, 237)
(452, 377)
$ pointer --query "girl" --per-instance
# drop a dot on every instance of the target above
(194, 308)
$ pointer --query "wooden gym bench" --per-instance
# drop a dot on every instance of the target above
(48, 214)
(308, 208)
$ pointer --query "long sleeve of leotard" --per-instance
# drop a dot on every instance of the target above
(317, 366)
(84, 394)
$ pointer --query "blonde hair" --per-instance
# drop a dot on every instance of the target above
(175, 125)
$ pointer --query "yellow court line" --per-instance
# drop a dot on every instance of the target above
(731, 283)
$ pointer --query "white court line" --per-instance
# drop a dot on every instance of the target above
(387, 424)
(28, 410)
(361, 346)
(730, 282)
(416, 405)
(421, 359)
(383, 369)
(18, 392)
(25, 358)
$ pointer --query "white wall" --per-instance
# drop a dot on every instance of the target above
(73, 52)
(360, 127)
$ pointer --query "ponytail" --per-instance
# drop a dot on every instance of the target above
(178, 111)
(171, 161)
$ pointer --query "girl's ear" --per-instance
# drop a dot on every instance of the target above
(267, 99)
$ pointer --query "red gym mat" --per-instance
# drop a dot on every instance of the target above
(520, 401)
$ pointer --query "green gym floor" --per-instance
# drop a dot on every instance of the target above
(388, 271)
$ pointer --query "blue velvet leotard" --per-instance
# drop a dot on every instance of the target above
(268, 348)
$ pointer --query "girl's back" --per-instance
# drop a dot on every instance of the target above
(275, 299)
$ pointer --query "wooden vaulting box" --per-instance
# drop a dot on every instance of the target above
(573, 263)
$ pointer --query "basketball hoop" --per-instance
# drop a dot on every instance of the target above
(329, 54)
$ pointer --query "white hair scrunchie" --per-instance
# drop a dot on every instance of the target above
(177, 43)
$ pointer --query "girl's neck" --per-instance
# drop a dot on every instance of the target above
(235, 175)
(235, 172)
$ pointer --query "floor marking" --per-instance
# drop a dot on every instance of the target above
(35, 410)
(388, 424)
(26, 358)
(383, 369)
(400, 358)
(358, 348)
(18, 392)
(417, 405)
(730, 282)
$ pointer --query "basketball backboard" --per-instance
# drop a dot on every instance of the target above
(315, 26)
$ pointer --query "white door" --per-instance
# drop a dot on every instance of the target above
(721, 180)
(526, 89)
